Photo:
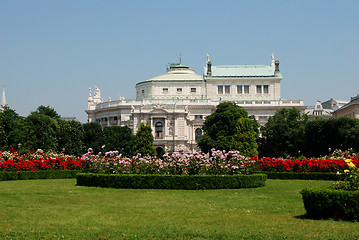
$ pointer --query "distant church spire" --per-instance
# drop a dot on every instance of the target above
(3, 100)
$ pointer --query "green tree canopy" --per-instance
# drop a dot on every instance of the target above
(230, 128)
(120, 139)
(283, 134)
(93, 136)
(143, 142)
(9, 121)
(48, 111)
(70, 139)
(39, 131)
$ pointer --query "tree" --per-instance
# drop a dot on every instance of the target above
(48, 111)
(230, 128)
(119, 138)
(40, 131)
(9, 121)
(283, 134)
(143, 142)
(70, 138)
(93, 136)
(325, 135)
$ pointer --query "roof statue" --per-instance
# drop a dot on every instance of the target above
(208, 58)
(272, 62)
(3, 100)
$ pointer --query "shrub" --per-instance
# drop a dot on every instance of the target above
(331, 203)
(155, 181)
(42, 174)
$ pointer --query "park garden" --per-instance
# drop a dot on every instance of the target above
(246, 182)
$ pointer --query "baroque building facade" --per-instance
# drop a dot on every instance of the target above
(176, 103)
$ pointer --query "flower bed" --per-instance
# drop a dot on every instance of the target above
(303, 164)
(178, 163)
(36, 161)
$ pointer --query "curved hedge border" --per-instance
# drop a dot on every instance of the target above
(190, 182)
(324, 203)
(303, 175)
(41, 174)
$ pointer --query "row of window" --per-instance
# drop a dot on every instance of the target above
(179, 90)
(243, 89)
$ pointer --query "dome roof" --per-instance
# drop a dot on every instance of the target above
(178, 72)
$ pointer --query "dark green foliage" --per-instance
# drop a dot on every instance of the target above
(41, 174)
(143, 142)
(230, 128)
(48, 111)
(283, 134)
(70, 138)
(330, 203)
(119, 138)
(189, 182)
(9, 121)
(93, 136)
(322, 134)
(303, 175)
(40, 131)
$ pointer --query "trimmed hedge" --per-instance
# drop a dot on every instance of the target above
(303, 175)
(190, 182)
(41, 174)
(324, 203)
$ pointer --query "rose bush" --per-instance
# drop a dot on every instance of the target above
(179, 163)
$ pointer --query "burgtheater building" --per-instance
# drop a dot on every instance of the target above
(176, 103)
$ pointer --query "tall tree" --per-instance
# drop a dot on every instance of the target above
(93, 136)
(48, 111)
(41, 131)
(8, 124)
(70, 139)
(230, 128)
(283, 134)
(143, 142)
(120, 139)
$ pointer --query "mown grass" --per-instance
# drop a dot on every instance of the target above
(57, 209)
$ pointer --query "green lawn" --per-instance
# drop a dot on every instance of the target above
(57, 209)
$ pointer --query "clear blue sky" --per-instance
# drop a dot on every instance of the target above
(51, 52)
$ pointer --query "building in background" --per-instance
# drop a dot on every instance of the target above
(176, 103)
(350, 110)
(319, 111)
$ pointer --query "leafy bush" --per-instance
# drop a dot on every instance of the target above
(155, 181)
(331, 203)
(42, 174)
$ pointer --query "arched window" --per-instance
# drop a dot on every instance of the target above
(198, 134)
(159, 130)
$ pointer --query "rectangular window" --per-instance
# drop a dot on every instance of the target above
(179, 89)
(227, 89)
(143, 91)
(265, 89)
(239, 89)
(220, 89)
(246, 89)
(193, 89)
(198, 116)
(259, 89)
